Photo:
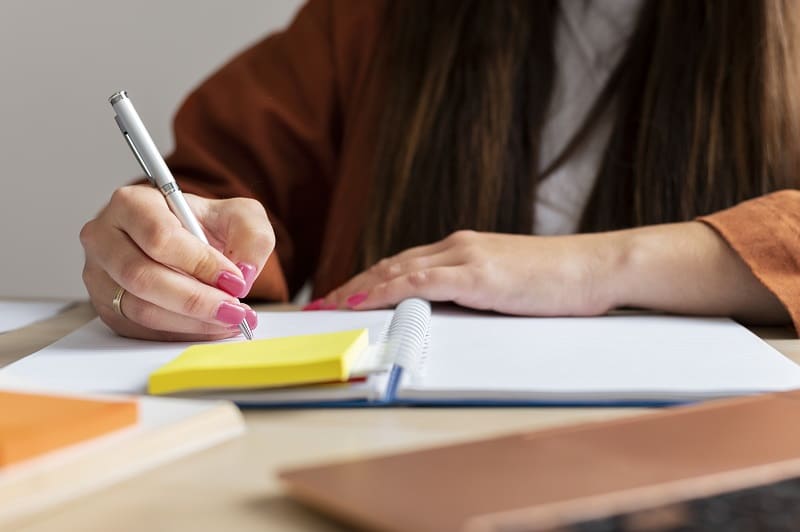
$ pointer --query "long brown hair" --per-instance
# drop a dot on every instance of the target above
(706, 106)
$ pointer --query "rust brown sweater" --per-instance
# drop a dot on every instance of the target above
(290, 121)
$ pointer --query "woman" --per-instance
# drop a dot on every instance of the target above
(451, 149)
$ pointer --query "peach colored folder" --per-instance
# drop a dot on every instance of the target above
(33, 424)
(548, 479)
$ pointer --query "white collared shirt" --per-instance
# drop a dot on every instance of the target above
(591, 37)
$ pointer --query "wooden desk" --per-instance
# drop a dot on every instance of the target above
(234, 487)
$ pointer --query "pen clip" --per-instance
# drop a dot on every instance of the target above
(132, 146)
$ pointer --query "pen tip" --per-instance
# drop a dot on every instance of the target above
(246, 331)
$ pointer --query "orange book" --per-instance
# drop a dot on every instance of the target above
(33, 424)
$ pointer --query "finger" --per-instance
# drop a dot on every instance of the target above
(129, 329)
(101, 289)
(242, 228)
(153, 317)
(381, 271)
(445, 283)
(143, 215)
(450, 251)
(137, 273)
(354, 291)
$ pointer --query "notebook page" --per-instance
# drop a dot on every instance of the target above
(483, 356)
(94, 359)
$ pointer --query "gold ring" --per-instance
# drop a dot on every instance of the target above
(116, 303)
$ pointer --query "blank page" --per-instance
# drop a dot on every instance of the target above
(649, 357)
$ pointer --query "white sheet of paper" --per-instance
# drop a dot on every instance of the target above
(95, 360)
(474, 356)
(18, 314)
(479, 356)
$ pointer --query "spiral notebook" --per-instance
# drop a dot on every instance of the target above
(453, 356)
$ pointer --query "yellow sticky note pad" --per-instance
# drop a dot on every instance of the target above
(266, 363)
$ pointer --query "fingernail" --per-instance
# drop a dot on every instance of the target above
(356, 299)
(249, 274)
(231, 284)
(252, 318)
(230, 313)
(314, 305)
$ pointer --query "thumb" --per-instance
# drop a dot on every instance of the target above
(240, 229)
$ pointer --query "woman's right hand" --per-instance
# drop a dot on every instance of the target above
(176, 287)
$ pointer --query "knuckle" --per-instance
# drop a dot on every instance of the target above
(393, 270)
(123, 195)
(382, 269)
(245, 207)
(205, 266)
(88, 234)
(420, 278)
(193, 304)
(264, 240)
(250, 205)
(462, 236)
(135, 276)
(158, 240)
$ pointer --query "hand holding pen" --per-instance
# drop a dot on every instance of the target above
(150, 270)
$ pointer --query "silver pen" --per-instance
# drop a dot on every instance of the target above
(156, 170)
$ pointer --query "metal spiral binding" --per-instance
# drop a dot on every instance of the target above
(409, 335)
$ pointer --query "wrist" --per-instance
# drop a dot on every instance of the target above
(656, 264)
(616, 256)
(631, 257)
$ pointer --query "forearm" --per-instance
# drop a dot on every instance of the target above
(687, 268)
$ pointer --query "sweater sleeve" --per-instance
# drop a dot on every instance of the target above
(765, 232)
(264, 126)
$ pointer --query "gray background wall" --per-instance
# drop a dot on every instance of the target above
(61, 155)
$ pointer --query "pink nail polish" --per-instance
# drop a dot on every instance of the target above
(356, 299)
(314, 305)
(230, 313)
(249, 274)
(252, 318)
(231, 284)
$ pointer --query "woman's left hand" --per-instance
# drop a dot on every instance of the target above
(512, 274)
